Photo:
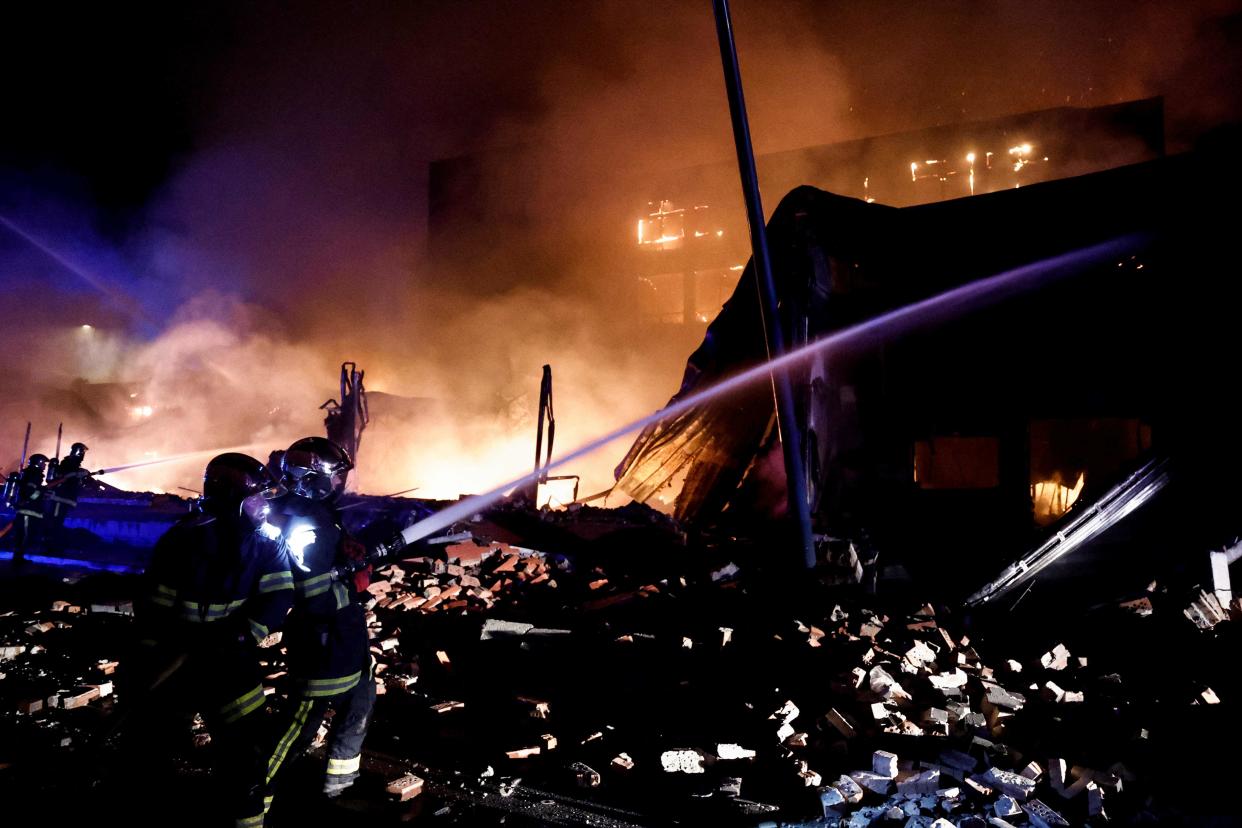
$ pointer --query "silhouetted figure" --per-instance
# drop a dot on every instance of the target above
(29, 506)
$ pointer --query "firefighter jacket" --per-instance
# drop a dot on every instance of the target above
(326, 635)
(214, 581)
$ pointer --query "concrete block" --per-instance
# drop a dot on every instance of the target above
(1220, 577)
(954, 678)
(114, 607)
(1010, 783)
(682, 761)
(1055, 659)
(405, 787)
(1041, 816)
(873, 782)
(921, 783)
(832, 801)
(979, 785)
(920, 654)
(1006, 806)
(78, 697)
(787, 712)
(996, 697)
(884, 764)
(884, 685)
(523, 752)
(623, 762)
(8, 652)
(729, 752)
(810, 778)
(29, 706)
(586, 776)
(850, 789)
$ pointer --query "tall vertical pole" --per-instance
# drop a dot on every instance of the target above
(799, 508)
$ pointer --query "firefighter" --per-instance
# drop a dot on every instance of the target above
(217, 588)
(65, 484)
(329, 655)
(28, 511)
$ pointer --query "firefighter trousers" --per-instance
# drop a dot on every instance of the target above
(222, 686)
(352, 710)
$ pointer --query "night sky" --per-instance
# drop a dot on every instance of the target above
(106, 104)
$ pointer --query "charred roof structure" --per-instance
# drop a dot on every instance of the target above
(987, 423)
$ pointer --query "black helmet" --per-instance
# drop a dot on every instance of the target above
(230, 479)
(77, 450)
(315, 468)
(39, 461)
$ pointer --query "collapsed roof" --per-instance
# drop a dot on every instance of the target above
(838, 261)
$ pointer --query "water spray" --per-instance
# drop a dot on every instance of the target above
(119, 298)
(189, 455)
(951, 303)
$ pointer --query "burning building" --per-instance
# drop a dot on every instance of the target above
(672, 242)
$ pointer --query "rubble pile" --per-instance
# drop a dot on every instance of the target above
(885, 717)
(470, 578)
(58, 673)
(702, 695)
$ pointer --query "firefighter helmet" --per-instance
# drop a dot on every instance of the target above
(77, 450)
(38, 461)
(231, 479)
(315, 468)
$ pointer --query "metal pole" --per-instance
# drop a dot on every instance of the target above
(545, 389)
(799, 508)
(25, 447)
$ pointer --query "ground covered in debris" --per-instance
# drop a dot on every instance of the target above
(616, 676)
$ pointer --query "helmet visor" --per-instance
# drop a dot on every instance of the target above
(311, 484)
(256, 507)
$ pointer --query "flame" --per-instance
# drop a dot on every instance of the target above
(1052, 498)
